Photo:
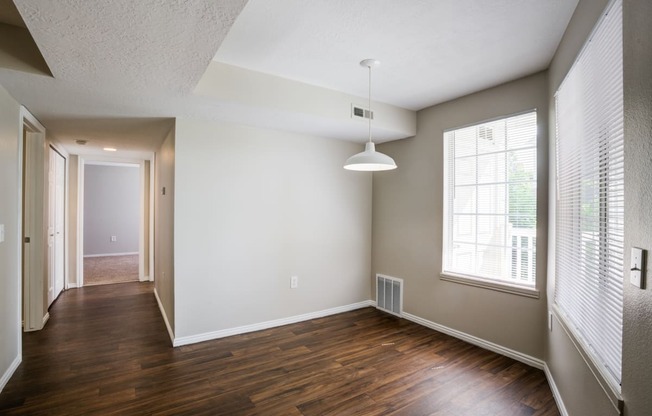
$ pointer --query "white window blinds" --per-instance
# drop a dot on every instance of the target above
(490, 200)
(590, 194)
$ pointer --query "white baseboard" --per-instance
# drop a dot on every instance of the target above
(269, 324)
(518, 356)
(10, 371)
(165, 317)
(46, 318)
(555, 391)
(72, 285)
(111, 254)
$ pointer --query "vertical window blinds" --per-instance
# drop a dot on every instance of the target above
(590, 194)
(490, 200)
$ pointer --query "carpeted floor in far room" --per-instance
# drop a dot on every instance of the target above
(110, 269)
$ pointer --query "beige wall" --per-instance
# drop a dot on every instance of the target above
(164, 227)
(407, 223)
(254, 207)
(637, 333)
(10, 271)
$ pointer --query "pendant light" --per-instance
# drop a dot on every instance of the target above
(370, 160)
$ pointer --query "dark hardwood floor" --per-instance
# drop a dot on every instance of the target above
(106, 351)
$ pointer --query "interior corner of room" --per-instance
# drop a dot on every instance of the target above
(202, 155)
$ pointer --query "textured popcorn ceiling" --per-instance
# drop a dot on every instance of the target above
(122, 69)
(118, 59)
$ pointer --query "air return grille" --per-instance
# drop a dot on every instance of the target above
(389, 294)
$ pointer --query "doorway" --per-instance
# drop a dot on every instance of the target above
(114, 222)
(33, 253)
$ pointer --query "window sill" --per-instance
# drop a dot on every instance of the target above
(491, 285)
(608, 383)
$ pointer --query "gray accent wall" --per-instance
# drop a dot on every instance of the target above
(111, 208)
(408, 219)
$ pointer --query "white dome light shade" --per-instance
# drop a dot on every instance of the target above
(370, 160)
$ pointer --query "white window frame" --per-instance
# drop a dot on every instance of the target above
(507, 286)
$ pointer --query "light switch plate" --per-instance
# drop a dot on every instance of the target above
(2, 233)
(637, 267)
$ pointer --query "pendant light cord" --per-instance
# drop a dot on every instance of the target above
(370, 112)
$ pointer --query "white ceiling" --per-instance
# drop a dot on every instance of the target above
(430, 51)
(123, 69)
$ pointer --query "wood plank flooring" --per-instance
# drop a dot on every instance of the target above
(106, 351)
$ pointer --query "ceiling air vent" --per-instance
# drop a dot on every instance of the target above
(360, 112)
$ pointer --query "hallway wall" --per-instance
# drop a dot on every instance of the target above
(10, 269)
(164, 229)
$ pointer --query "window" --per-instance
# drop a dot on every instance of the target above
(589, 213)
(490, 214)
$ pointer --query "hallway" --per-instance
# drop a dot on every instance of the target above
(89, 354)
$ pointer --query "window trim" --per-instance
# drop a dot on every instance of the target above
(504, 286)
(485, 283)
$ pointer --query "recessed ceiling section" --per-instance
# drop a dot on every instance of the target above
(431, 51)
(133, 138)
(18, 51)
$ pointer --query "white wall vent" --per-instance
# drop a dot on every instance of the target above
(361, 112)
(389, 294)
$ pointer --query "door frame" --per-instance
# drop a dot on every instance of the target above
(33, 211)
(146, 223)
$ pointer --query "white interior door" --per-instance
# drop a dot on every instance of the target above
(51, 216)
(59, 223)
(56, 181)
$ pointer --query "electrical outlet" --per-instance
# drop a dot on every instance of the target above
(294, 282)
(114, 238)
(2, 233)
